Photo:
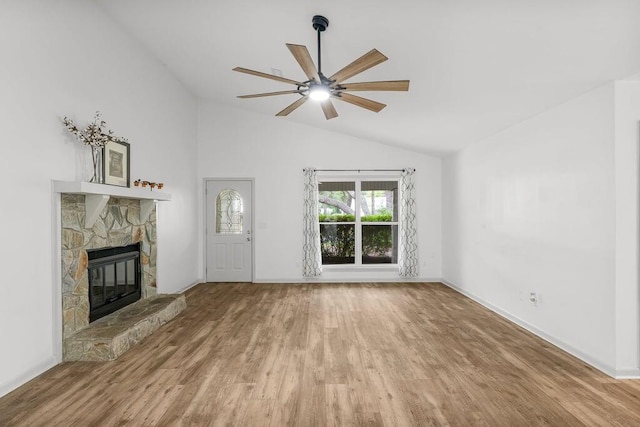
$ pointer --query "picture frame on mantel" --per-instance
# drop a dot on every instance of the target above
(115, 163)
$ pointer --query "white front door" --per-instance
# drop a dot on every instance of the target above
(229, 233)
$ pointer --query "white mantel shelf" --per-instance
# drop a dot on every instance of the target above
(97, 196)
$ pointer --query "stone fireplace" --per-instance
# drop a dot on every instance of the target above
(119, 224)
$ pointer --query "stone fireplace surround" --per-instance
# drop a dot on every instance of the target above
(119, 224)
(93, 216)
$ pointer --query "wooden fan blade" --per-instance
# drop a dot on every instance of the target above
(395, 85)
(259, 95)
(292, 107)
(366, 61)
(328, 109)
(361, 102)
(268, 76)
(301, 54)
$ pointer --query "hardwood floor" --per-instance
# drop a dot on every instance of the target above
(329, 354)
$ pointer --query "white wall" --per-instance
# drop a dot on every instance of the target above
(627, 135)
(532, 209)
(236, 143)
(68, 58)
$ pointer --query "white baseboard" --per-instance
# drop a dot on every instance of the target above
(628, 374)
(348, 280)
(540, 333)
(186, 288)
(16, 382)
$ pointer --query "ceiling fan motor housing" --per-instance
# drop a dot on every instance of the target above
(320, 23)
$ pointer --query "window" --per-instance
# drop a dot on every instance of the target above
(229, 212)
(358, 221)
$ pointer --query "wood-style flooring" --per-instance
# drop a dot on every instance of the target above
(329, 354)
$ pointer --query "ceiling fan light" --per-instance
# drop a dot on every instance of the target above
(319, 92)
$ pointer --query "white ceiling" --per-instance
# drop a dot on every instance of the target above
(476, 66)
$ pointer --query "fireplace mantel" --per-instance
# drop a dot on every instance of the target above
(97, 196)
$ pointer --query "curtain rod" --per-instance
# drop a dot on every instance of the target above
(359, 170)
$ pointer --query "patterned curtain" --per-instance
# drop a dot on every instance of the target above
(311, 255)
(408, 256)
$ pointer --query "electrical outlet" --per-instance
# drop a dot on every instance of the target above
(533, 298)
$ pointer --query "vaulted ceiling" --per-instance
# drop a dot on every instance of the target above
(476, 67)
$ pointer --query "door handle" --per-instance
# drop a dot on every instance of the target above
(248, 239)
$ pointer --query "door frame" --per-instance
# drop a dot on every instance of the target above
(206, 230)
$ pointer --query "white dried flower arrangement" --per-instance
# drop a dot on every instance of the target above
(95, 134)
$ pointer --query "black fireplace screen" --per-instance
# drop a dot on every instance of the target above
(114, 279)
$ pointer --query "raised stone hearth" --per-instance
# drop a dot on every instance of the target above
(109, 337)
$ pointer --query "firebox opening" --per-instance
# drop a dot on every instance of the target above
(114, 279)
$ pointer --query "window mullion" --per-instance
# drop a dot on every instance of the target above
(358, 230)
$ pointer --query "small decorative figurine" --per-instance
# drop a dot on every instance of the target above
(151, 185)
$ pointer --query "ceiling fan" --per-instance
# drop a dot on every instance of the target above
(323, 89)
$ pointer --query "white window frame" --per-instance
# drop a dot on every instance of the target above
(358, 179)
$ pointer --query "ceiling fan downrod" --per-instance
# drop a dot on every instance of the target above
(320, 24)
